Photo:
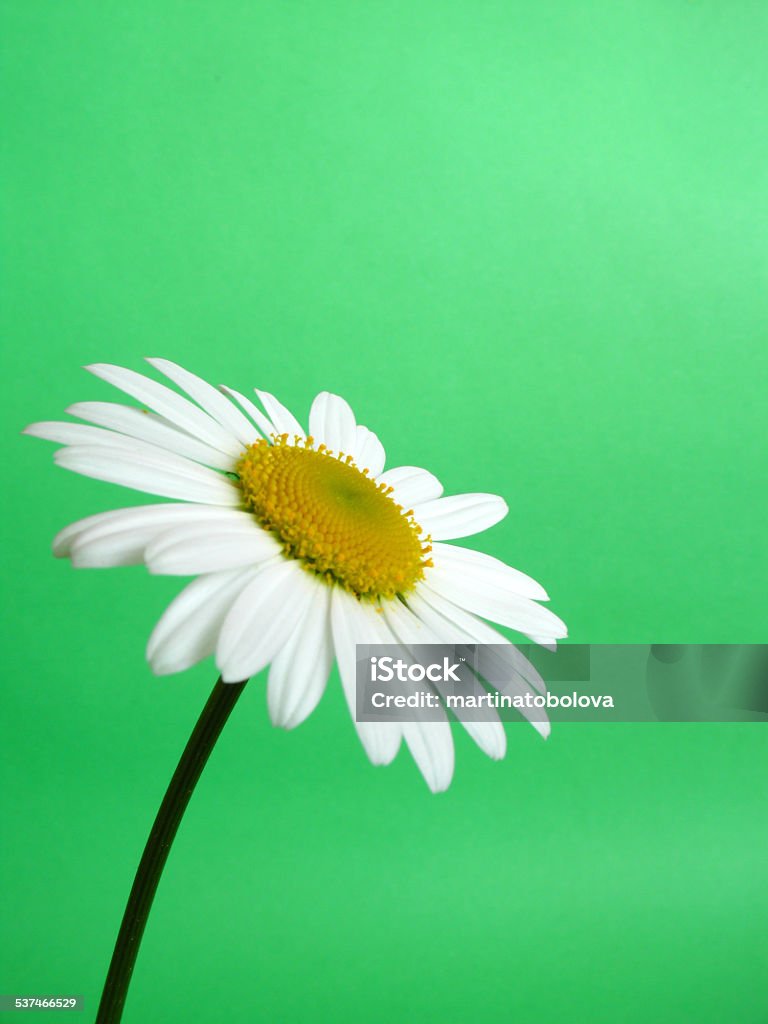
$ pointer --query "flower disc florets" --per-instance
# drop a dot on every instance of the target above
(332, 517)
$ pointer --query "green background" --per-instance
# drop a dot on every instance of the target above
(528, 243)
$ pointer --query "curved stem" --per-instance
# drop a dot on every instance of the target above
(223, 698)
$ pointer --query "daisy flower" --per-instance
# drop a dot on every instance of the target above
(302, 544)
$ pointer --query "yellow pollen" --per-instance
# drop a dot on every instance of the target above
(331, 516)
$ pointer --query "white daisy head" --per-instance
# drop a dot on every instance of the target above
(302, 544)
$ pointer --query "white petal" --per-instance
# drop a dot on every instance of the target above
(542, 641)
(484, 570)
(332, 423)
(460, 515)
(148, 426)
(284, 421)
(411, 485)
(210, 399)
(135, 518)
(354, 622)
(368, 451)
(265, 425)
(464, 625)
(299, 672)
(161, 473)
(410, 629)
(431, 746)
(139, 516)
(189, 628)
(80, 434)
(121, 537)
(262, 619)
(515, 676)
(168, 403)
(210, 547)
(507, 609)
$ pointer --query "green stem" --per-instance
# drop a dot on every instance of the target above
(223, 698)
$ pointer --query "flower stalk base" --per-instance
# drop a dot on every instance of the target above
(214, 715)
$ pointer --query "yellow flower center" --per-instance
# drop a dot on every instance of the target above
(331, 516)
